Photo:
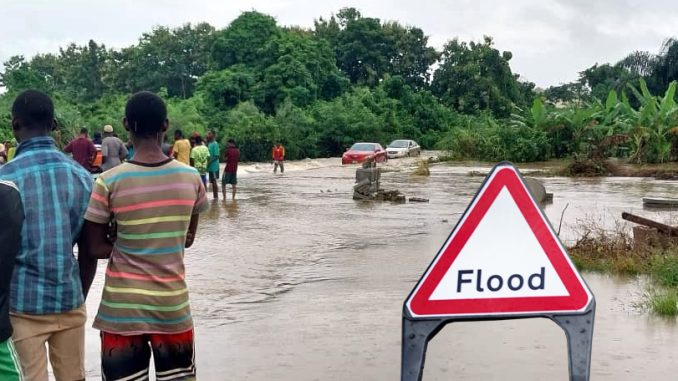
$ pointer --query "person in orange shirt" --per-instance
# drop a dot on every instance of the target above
(278, 158)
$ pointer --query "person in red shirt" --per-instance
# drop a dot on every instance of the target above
(83, 150)
(232, 157)
(278, 158)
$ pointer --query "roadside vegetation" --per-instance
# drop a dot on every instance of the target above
(617, 253)
(356, 78)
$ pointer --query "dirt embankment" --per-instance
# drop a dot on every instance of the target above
(611, 167)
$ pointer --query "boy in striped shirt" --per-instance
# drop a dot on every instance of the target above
(154, 202)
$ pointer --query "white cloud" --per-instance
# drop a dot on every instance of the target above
(551, 40)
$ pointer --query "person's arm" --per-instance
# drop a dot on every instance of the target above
(87, 265)
(69, 147)
(175, 149)
(123, 152)
(200, 206)
(95, 240)
(192, 229)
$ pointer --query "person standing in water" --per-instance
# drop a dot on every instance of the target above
(278, 158)
(200, 156)
(232, 157)
(213, 165)
(155, 201)
(49, 285)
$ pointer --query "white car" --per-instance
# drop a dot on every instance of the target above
(403, 148)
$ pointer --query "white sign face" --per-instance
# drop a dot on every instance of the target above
(502, 258)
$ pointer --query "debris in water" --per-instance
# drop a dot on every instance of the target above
(418, 199)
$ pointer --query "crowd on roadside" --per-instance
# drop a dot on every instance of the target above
(135, 204)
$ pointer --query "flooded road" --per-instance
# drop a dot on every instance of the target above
(296, 281)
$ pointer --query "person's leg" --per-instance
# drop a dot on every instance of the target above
(10, 369)
(282, 166)
(174, 356)
(203, 177)
(275, 167)
(125, 357)
(215, 187)
(67, 346)
(233, 192)
(30, 336)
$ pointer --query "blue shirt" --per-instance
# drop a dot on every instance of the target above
(55, 193)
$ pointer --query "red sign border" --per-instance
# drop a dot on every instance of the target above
(503, 175)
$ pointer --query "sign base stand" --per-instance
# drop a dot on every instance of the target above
(578, 331)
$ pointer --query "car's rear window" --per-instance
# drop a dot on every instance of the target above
(398, 144)
(362, 147)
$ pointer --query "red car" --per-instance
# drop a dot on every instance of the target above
(361, 151)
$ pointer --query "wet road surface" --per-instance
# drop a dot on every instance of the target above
(296, 281)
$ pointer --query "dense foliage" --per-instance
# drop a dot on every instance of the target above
(352, 78)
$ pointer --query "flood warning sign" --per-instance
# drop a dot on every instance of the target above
(502, 258)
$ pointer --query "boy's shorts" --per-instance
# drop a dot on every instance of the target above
(214, 176)
(229, 178)
(128, 357)
(10, 369)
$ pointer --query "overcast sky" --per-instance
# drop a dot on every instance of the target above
(551, 40)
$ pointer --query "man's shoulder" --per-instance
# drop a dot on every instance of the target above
(8, 187)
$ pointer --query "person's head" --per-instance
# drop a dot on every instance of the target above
(145, 117)
(97, 137)
(231, 143)
(83, 132)
(198, 140)
(210, 136)
(32, 115)
(178, 135)
(108, 130)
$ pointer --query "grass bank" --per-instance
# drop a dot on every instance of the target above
(617, 253)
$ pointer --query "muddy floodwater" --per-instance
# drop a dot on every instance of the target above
(296, 281)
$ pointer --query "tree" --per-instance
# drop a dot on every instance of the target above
(18, 75)
(80, 70)
(296, 64)
(601, 79)
(475, 76)
(242, 41)
(224, 89)
(165, 58)
(412, 57)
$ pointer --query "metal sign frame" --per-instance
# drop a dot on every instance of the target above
(418, 331)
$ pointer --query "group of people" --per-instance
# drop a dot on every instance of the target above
(111, 153)
(202, 155)
(205, 159)
(140, 215)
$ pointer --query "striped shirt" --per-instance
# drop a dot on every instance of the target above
(145, 289)
(55, 191)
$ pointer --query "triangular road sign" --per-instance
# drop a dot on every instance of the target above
(502, 258)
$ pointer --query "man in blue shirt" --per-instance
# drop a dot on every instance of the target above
(46, 293)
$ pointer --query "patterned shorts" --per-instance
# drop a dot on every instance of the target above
(128, 357)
